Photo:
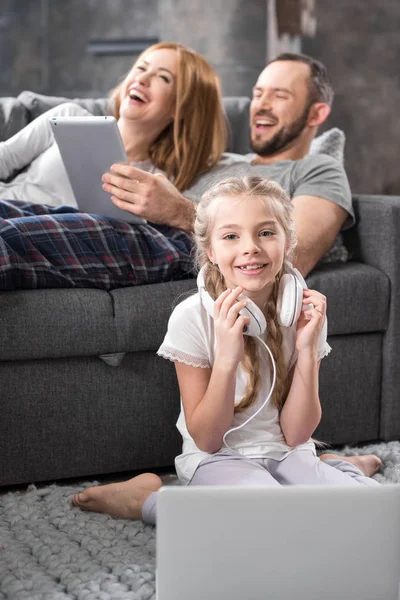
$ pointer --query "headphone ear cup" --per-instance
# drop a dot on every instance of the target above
(290, 300)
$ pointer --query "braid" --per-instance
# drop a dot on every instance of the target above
(274, 341)
(213, 281)
(251, 364)
(251, 361)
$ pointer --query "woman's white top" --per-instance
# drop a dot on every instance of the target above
(33, 154)
(190, 339)
(31, 167)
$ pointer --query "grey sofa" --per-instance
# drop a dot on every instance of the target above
(83, 392)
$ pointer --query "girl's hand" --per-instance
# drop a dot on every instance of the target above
(311, 321)
(229, 327)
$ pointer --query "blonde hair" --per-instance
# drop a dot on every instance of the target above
(193, 142)
(277, 201)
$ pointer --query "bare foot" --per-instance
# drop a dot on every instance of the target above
(124, 499)
(369, 464)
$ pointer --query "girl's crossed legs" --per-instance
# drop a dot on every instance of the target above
(301, 467)
(137, 497)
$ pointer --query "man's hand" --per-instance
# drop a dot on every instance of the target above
(150, 196)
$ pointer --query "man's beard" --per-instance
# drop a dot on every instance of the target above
(282, 138)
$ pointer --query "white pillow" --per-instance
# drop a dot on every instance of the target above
(330, 142)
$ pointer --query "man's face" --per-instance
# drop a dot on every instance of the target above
(280, 107)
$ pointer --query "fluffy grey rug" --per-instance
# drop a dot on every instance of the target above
(52, 551)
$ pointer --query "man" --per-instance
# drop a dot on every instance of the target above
(291, 99)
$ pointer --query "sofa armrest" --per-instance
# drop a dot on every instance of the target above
(375, 240)
(13, 117)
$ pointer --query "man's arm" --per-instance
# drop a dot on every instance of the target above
(157, 200)
(150, 196)
(322, 202)
(317, 222)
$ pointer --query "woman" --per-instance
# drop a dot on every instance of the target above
(166, 107)
(171, 120)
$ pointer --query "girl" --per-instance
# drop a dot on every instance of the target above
(245, 240)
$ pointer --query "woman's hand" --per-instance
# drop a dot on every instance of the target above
(311, 321)
(229, 327)
(150, 196)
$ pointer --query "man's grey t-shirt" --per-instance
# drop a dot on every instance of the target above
(314, 175)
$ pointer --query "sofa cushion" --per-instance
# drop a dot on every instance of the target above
(85, 322)
(145, 329)
(360, 297)
(330, 142)
(57, 323)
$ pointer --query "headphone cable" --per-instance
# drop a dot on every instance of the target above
(263, 404)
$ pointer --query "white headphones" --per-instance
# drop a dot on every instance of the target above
(289, 304)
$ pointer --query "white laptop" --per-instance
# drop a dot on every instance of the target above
(88, 147)
(278, 543)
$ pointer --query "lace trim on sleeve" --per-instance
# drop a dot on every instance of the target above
(192, 361)
(321, 354)
(325, 351)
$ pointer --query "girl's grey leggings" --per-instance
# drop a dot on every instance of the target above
(301, 467)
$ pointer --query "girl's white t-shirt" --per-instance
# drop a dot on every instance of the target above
(190, 339)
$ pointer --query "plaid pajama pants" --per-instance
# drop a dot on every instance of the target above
(46, 247)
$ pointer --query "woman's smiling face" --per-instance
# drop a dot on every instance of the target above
(148, 92)
(248, 244)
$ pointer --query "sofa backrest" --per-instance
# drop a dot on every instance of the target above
(237, 112)
(13, 117)
(36, 104)
(15, 113)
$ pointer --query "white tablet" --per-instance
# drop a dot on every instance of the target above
(88, 147)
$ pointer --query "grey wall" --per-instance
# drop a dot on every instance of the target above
(44, 43)
(44, 47)
(231, 34)
(359, 41)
